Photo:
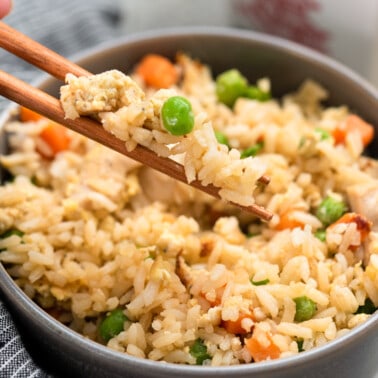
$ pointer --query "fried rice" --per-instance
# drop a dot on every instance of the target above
(198, 280)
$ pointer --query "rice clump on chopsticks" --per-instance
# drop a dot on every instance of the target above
(126, 111)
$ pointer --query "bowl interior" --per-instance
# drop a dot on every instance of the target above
(256, 56)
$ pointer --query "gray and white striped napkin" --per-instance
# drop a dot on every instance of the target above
(67, 27)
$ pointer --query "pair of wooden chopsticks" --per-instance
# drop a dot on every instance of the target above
(41, 102)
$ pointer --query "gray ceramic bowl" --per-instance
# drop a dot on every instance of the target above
(68, 354)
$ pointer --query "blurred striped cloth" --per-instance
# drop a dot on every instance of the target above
(67, 27)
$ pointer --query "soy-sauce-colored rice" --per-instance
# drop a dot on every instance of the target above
(199, 281)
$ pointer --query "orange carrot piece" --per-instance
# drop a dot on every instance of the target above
(288, 222)
(354, 123)
(27, 115)
(157, 71)
(54, 134)
(56, 137)
(363, 224)
(261, 351)
(235, 326)
(366, 130)
(339, 134)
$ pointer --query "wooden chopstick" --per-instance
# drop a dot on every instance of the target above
(36, 54)
(41, 102)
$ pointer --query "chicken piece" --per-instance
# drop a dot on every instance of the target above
(160, 187)
(363, 199)
(104, 92)
(157, 186)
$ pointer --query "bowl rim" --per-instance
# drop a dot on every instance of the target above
(278, 43)
(11, 290)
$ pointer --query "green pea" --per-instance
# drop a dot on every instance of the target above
(330, 210)
(199, 351)
(305, 308)
(255, 93)
(221, 138)
(177, 115)
(112, 324)
(321, 235)
(230, 85)
(252, 151)
(260, 283)
(367, 308)
(323, 134)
